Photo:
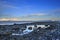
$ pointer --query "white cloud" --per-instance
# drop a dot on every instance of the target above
(31, 17)
(38, 14)
(9, 19)
(10, 6)
(4, 4)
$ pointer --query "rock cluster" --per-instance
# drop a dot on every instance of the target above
(50, 33)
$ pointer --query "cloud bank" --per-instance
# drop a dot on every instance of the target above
(31, 17)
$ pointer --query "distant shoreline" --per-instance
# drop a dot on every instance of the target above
(21, 22)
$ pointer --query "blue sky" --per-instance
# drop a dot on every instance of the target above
(27, 10)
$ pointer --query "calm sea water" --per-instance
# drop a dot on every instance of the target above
(12, 22)
(19, 22)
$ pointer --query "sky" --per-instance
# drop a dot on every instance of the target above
(29, 10)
